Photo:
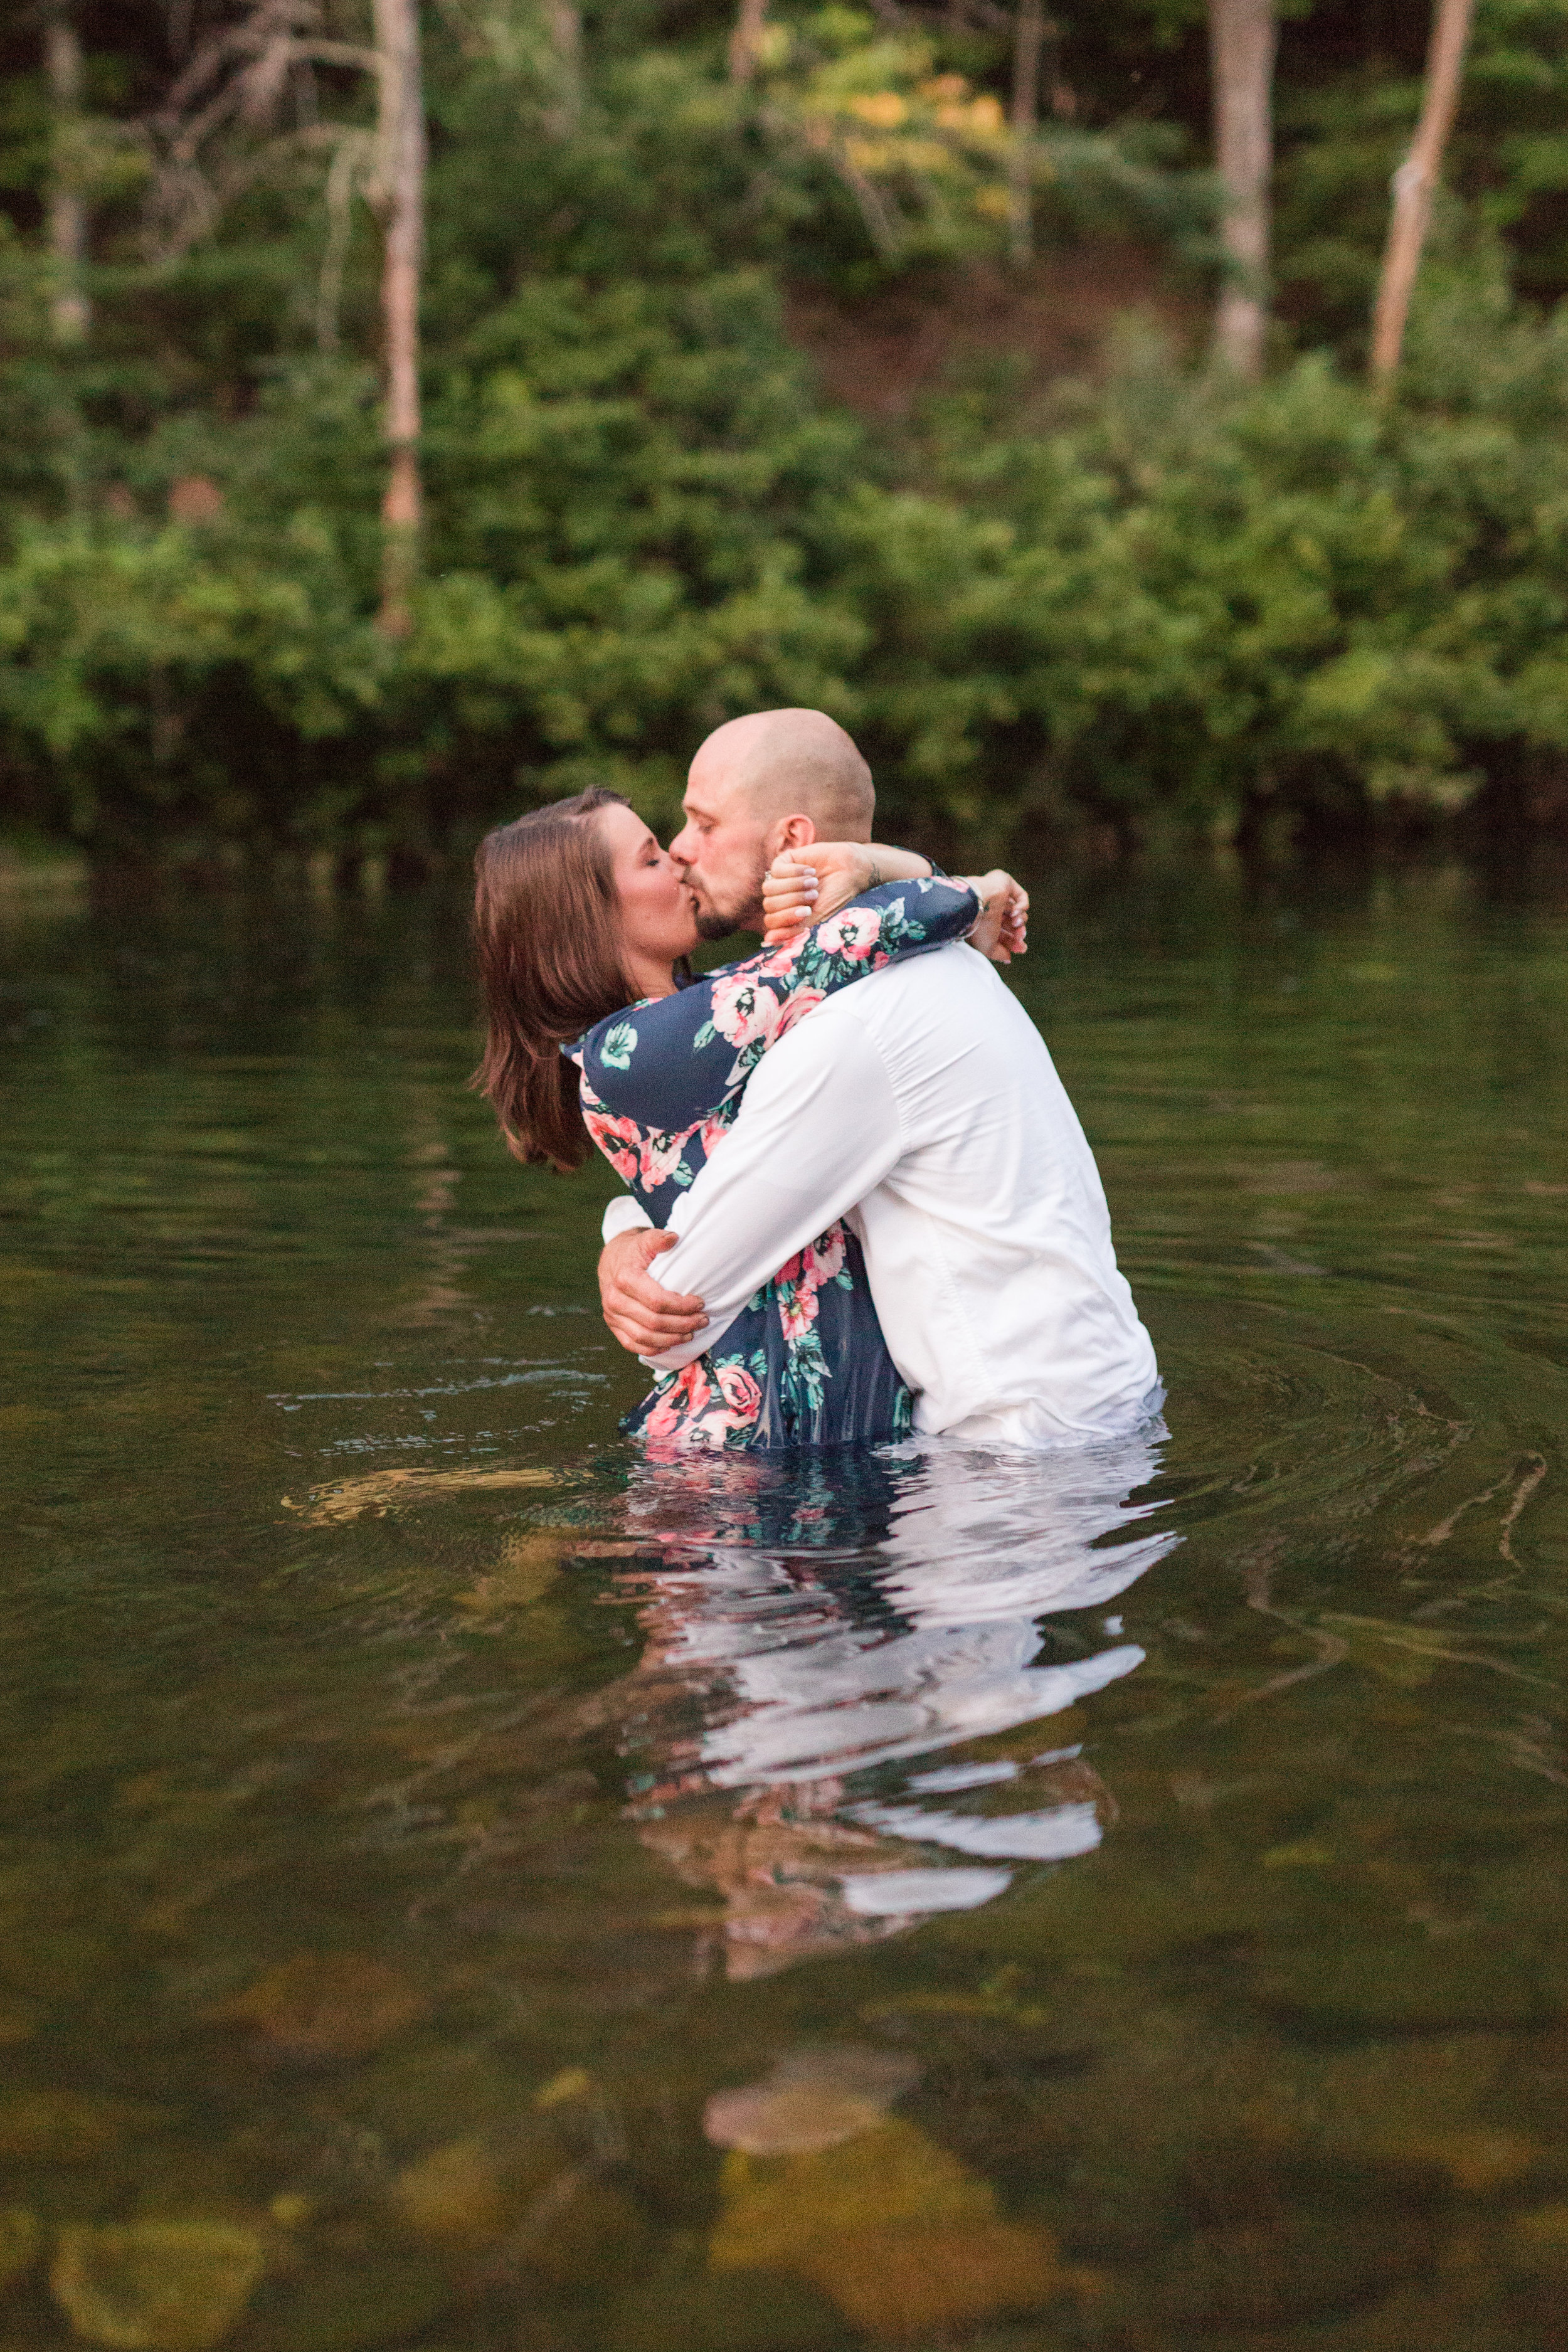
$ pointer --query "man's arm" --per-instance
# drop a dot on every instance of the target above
(639, 1312)
(819, 1129)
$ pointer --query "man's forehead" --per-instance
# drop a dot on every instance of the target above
(708, 796)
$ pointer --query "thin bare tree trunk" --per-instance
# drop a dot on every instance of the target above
(401, 192)
(1243, 36)
(1416, 182)
(68, 311)
(745, 38)
(1028, 38)
(566, 39)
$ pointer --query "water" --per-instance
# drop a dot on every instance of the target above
(1134, 1879)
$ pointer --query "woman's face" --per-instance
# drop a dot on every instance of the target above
(659, 919)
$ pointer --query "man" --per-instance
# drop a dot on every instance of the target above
(922, 1105)
(774, 781)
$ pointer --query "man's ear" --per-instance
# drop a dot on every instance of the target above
(789, 832)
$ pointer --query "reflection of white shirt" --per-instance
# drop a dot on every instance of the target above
(922, 1098)
(977, 1549)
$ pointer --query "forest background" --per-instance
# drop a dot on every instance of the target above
(860, 357)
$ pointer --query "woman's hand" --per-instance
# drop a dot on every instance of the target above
(1002, 931)
(807, 885)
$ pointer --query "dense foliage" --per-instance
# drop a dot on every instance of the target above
(1148, 601)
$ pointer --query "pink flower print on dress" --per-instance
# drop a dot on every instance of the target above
(690, 1392)
(620, 1139)
(796, 1008)
(742, 1397)
(800, 1278)
(796, 1301)
(661, 1156)
(825, 1256)
(742, 1010)
(704, 1407)
(714, 1132)
(854, 931)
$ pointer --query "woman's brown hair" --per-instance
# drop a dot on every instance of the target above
(548, 947)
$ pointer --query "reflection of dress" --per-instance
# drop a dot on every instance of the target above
(804, 1362)
(812, 1632)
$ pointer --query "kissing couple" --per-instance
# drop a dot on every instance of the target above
(860, 1203)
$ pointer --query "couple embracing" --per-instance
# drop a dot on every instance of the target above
(860, 1203)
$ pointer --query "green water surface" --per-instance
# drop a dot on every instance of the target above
(1144, 1867)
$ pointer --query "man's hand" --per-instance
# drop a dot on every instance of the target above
(642, 1314)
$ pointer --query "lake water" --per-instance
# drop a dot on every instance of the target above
(465, 1887)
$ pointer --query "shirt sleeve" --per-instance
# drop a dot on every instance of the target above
(819, 1129)
(623, 1215)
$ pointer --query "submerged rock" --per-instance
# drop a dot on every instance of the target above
(1540, 2239)
(889, 2226)
(350, 2304)
(456, 2195)
(812, 2100)
(786, 2118)
(583, 2232)
(766, 2311)
(59, 1963)
(1301, 2268)
(319, 2007)
(19, 2021)
(20, 2238)
(1402, 1985)
(906, 2282)
(571, 2084)
(156, 2286)
(68, 2126)
(1479, 2163)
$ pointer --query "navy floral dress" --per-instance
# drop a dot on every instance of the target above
(803, 1363)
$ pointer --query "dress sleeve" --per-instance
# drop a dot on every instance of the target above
(672, 1061)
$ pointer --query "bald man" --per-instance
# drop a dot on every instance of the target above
(921, 1105)
(773, 781)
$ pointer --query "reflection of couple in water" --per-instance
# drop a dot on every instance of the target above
(813, 1627)
(859, 1201)
(860, 1211)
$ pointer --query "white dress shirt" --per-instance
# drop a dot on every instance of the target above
(921, 1105)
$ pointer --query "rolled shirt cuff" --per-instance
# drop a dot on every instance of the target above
(623, 1215)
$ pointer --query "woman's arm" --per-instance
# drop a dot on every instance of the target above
(672, 1063)
(809, 883)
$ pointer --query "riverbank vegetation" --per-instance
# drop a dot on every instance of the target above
(660, 460)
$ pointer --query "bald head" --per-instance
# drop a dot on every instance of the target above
(788, 763)
(774, 779)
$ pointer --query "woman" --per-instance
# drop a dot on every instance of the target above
(596, 1029)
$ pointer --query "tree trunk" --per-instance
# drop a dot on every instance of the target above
(746, 35)
(1415, 184)
(68, 311)
(566, 39)
(1028, 38)
(401, 192)
(1243, 36)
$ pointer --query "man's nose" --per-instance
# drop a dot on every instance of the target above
(681, 850)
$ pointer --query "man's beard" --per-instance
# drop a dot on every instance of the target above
(717, 922)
